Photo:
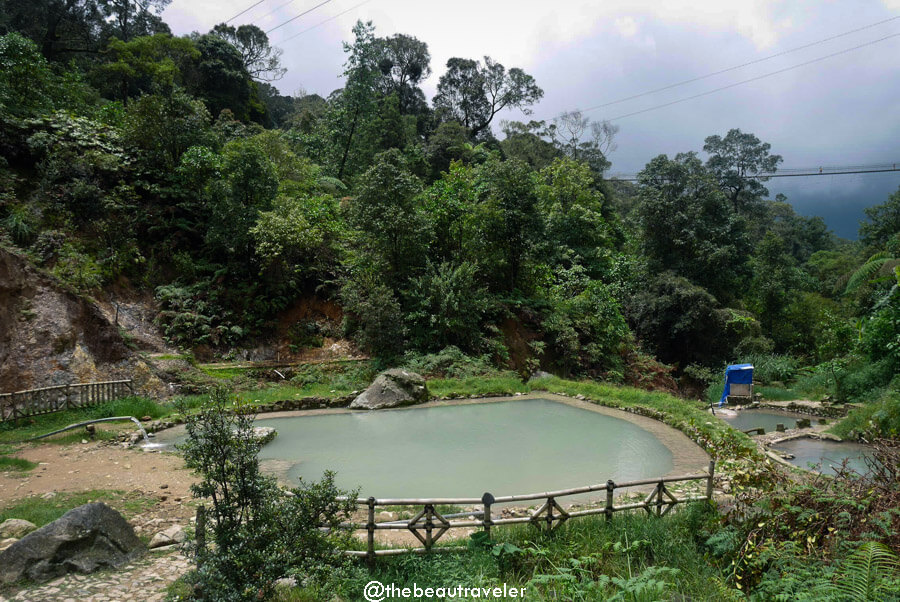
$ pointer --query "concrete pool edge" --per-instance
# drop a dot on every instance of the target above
(687, 456)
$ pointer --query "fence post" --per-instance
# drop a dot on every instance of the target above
(370, 527)
(487, 499)
(709, 480)
(610, 487)
(659, 497)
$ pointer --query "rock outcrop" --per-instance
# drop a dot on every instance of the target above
(85, 539)
(50, 335)
(391, 389)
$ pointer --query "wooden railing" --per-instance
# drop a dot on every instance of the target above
(428, 525)
(46, 400)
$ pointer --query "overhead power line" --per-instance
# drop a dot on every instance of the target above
(329, 19)
(248, 9)
(275, 10)
(797, 172)
(752, 79)
(294, 18)
(747, 64)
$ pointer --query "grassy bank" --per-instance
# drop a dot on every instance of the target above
(25, 428)
(41, 511)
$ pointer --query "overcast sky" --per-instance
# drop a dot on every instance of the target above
(839, 111)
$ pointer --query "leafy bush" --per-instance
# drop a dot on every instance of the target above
(771, 367)
(190, 316)
(260, 532)
(77, 269)
(450, 362)
(880, 418)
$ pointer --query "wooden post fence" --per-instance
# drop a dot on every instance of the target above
(428, 525)
(46, 400)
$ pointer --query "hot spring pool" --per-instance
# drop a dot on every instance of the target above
(809, 452)
(744, 420)
(463, 450)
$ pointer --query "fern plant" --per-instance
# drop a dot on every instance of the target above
(869, 574)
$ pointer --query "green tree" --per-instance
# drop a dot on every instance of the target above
(404, 63)
(530, 142)
(448, 205)
(261, 60)
(576, 229)
(776, 282)
(510, 222)
(688, 226)
(146, 64)
(353, 108)
(248, 186)
(386, 214)
(62, 29)
(164, 126)
(680, 321)
(882, 222)
(223, 81)
(447, 305)
(737, 160)
(260, 532)
(128, 19)
(27, 85)
(473, 94)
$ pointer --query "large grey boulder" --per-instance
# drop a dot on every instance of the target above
(392, 389)
(83, 540)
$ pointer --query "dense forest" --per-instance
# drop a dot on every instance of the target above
(133, 158)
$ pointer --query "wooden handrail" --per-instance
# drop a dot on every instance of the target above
(549, 515)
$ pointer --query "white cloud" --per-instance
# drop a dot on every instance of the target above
(626, 26)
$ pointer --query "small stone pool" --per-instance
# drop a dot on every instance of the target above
(463, 450)
(810, 452)
(744, 420)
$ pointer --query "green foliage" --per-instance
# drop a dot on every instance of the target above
(870, 573)
(188, 317)
(586, 329)
(27, 85)
(882, 222)
(260, 532)
(447, 307)
(449, 362)
(877, 418)
(770, 367)
(688, 225)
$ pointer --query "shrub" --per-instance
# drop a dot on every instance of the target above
(771, 367)
(260, 532)
(450, 362)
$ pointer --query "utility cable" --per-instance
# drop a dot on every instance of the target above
(275, 10)
(340, 14)
(752, 79)
(306, 12)
(748, 63)
(248, 9)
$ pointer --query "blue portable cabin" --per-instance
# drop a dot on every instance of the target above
(738, 382)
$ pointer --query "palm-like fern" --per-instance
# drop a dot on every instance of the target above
(883, 261)
(869, 573)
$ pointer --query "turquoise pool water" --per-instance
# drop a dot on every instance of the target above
(504, 447)
(810, 453)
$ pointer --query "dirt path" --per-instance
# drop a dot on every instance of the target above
(93, 465)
